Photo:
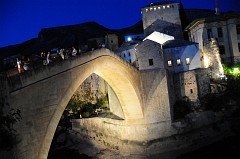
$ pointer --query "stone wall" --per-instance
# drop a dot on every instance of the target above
(114, 104)
(192, 84)
(196, 130)
(117, 135)
(168, 12)
(111, 41)
(155, 95)
(186, 85)
(149, 50)
(92, 89)
(212, 56)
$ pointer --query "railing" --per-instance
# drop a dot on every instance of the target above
(20, 80)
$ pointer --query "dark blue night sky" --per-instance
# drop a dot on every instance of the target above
(21, 20)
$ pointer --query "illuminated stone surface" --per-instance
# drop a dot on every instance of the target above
(43, 95)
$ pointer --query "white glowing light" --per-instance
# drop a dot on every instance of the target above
(129, 39)
(188, 61)
(235, 70)
(206, 62)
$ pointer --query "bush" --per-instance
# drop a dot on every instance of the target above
(88, 108)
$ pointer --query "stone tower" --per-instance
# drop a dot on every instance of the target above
(163, 17)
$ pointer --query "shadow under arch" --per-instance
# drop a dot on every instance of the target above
(123, 79)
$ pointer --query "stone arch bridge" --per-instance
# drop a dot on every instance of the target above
(43, 94)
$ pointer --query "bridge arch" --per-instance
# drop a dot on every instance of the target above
(57, 87)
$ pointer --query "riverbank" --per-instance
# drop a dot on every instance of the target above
(228, 148)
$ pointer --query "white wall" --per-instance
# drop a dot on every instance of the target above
(190, 51)
(230, 39)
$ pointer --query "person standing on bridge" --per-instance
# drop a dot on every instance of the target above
(48, 58)
(61, 52)
(19, 65)
(74, 51)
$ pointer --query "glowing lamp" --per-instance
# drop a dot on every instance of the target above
(235, 70)
(129, 39)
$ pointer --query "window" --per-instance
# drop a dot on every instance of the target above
(130, 61)
(209, 33)
(238, 28)
(178, 61)
(191, 91)
(159, 8)
(124, 55)
(111, 41)
(220, 33)
(169, 63)
(221, 49)
(188, 61)
(150, 62)
(129, 54)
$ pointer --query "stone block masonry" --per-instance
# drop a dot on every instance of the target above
(151, 139)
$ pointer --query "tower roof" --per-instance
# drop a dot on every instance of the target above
(177, 43)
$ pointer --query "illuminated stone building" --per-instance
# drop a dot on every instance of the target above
(163, 17)
(111, 42)
(181, 56)
(224, 28)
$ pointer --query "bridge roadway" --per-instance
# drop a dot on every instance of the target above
(43, 94)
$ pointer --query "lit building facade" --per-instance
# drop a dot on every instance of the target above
(111, 42)
(225, 29)
(181, 56)
(128, 52)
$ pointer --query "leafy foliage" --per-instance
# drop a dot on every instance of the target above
(85, 108)
(233, 71)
